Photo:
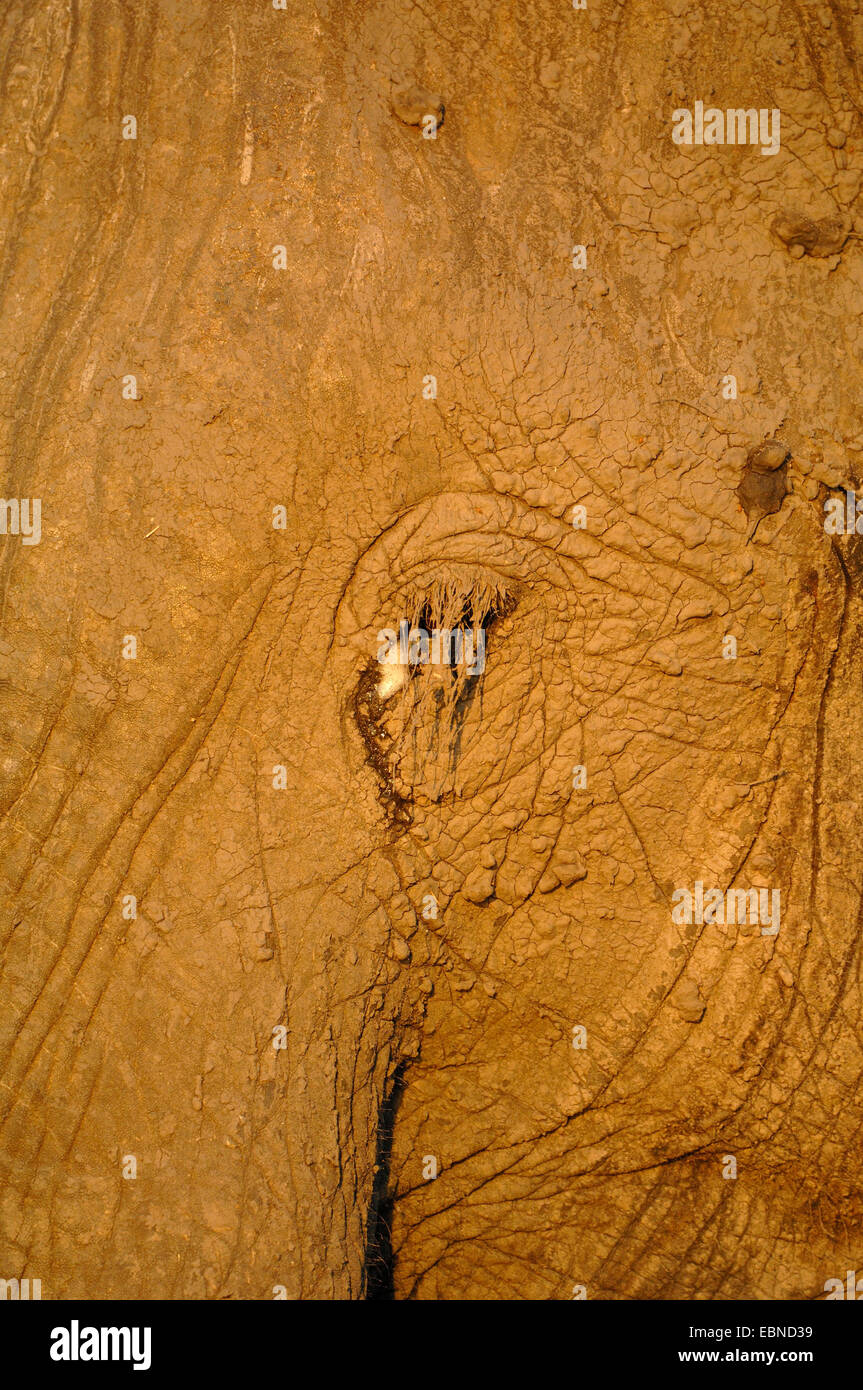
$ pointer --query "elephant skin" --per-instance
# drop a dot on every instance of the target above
(400, 1008)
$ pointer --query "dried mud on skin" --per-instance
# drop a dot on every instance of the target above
(388, 997)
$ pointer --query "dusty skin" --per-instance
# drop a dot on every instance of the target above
(233, 832)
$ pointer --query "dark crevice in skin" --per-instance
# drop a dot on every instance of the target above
(379, 1264)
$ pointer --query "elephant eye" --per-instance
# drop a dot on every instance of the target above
(411, 702)
(440, 634)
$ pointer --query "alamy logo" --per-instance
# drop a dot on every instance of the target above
(413, 646)
(738, 905)
(732, 127)
(23, 1289)
(852, 1288)
(76, 1343)
(17, 518)
(843, 516)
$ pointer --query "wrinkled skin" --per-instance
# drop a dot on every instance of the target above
(303, 905)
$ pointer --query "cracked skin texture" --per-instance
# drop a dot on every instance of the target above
(302, 387)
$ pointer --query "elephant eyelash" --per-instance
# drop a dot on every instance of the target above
(459, 598)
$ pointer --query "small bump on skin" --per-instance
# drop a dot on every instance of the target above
(412, 103)
(769, 456)
(764, 485)
(805, 236)
(688, 1002)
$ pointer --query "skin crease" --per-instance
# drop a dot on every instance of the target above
(301, 904)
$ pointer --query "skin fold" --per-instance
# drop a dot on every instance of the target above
(415, 889)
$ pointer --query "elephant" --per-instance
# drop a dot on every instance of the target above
(332, 979)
